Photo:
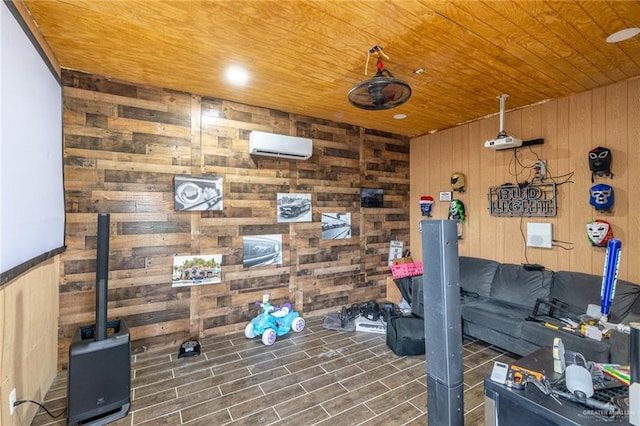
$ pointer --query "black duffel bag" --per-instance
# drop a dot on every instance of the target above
(405, 335)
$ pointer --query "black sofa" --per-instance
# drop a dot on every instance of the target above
(498, 298)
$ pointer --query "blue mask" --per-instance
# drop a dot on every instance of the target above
(601, 197)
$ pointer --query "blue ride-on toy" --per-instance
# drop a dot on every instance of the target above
(274, 322)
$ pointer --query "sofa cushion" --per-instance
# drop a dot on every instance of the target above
(580, 289)
(476, 275)
(501, 316)
(515, 345)
(514, 284)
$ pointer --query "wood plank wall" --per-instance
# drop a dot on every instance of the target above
(123, 146)
(571, 127)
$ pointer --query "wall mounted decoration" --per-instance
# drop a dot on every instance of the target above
(458, 213)
(371, 197)
(395, 251)
(294, 207)
(600, 162)
(533, 200)
(197, 193)
(426, 205)
(336, 226)
(261, 250)
(599, 232)
(601, 197)
(458, 182)
(196, 270)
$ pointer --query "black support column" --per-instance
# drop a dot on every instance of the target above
(443, 323)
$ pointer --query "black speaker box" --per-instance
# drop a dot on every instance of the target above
(99, 375)
(99, 371)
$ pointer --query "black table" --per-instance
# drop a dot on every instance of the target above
(507, 406)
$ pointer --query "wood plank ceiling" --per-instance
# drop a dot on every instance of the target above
(304, 56)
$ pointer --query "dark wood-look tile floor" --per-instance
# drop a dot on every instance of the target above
(316, 377)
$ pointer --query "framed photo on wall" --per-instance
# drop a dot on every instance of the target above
(261, 250)
(196, 270)
(294, 207)
(336, 226)
(371, 197)
(197, 193)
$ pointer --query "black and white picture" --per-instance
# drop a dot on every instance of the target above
(294, 207)
(197, 193)
(371, 197)
(261, 250)
(336, 226)
(196, 270)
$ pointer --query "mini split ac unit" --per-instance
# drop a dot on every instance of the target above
(282, 146)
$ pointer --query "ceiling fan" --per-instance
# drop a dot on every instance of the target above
(381, 92)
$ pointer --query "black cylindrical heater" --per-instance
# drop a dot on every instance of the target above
(99, 372)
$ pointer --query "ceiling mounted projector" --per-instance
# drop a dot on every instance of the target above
(383, 91)
(503, 141)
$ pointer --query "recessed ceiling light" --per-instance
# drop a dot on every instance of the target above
(237, 75)
(623, 35)
(400, 116)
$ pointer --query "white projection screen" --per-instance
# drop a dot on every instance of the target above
(32, 215)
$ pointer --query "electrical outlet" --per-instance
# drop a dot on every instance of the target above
(12, 401)
(541, 169)
(265, 298)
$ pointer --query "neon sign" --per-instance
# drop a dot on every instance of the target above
(533, 200)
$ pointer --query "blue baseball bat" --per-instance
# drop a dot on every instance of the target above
(610, 275)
